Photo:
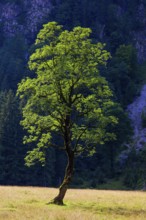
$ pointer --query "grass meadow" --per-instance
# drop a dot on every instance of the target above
(22, 203)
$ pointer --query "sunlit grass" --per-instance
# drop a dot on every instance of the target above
(22, 203)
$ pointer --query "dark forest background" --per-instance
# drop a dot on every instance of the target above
(119, 24)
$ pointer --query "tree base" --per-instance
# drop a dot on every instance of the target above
(56, 201)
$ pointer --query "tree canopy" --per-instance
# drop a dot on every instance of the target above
(67, 84)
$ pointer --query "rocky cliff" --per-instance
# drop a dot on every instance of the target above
(139, 36)
(25, 17)
(135, 110)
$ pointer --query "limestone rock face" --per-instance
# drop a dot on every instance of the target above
(140, 44)
(38, 11)
(8, 17)
(139, 35)
(25, 17)
(135, 111)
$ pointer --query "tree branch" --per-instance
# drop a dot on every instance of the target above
(78, 139)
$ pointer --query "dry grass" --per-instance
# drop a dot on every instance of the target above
(22, 203)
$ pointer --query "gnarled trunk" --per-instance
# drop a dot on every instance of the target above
(67, 179)
(69, 169)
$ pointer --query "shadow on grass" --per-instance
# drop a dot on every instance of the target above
(98, 209)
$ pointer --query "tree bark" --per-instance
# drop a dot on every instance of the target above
(58, 200)
(70, 165)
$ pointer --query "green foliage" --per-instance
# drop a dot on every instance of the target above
(12, 62)
(12, 153)
(11, 160)
(68, 95)
(142, 75)
(104, 165)
(123, 132)
(123, 74)
(135, 169)
(143, 117)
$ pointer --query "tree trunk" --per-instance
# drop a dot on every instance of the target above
(58, 200)
(70, 165)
